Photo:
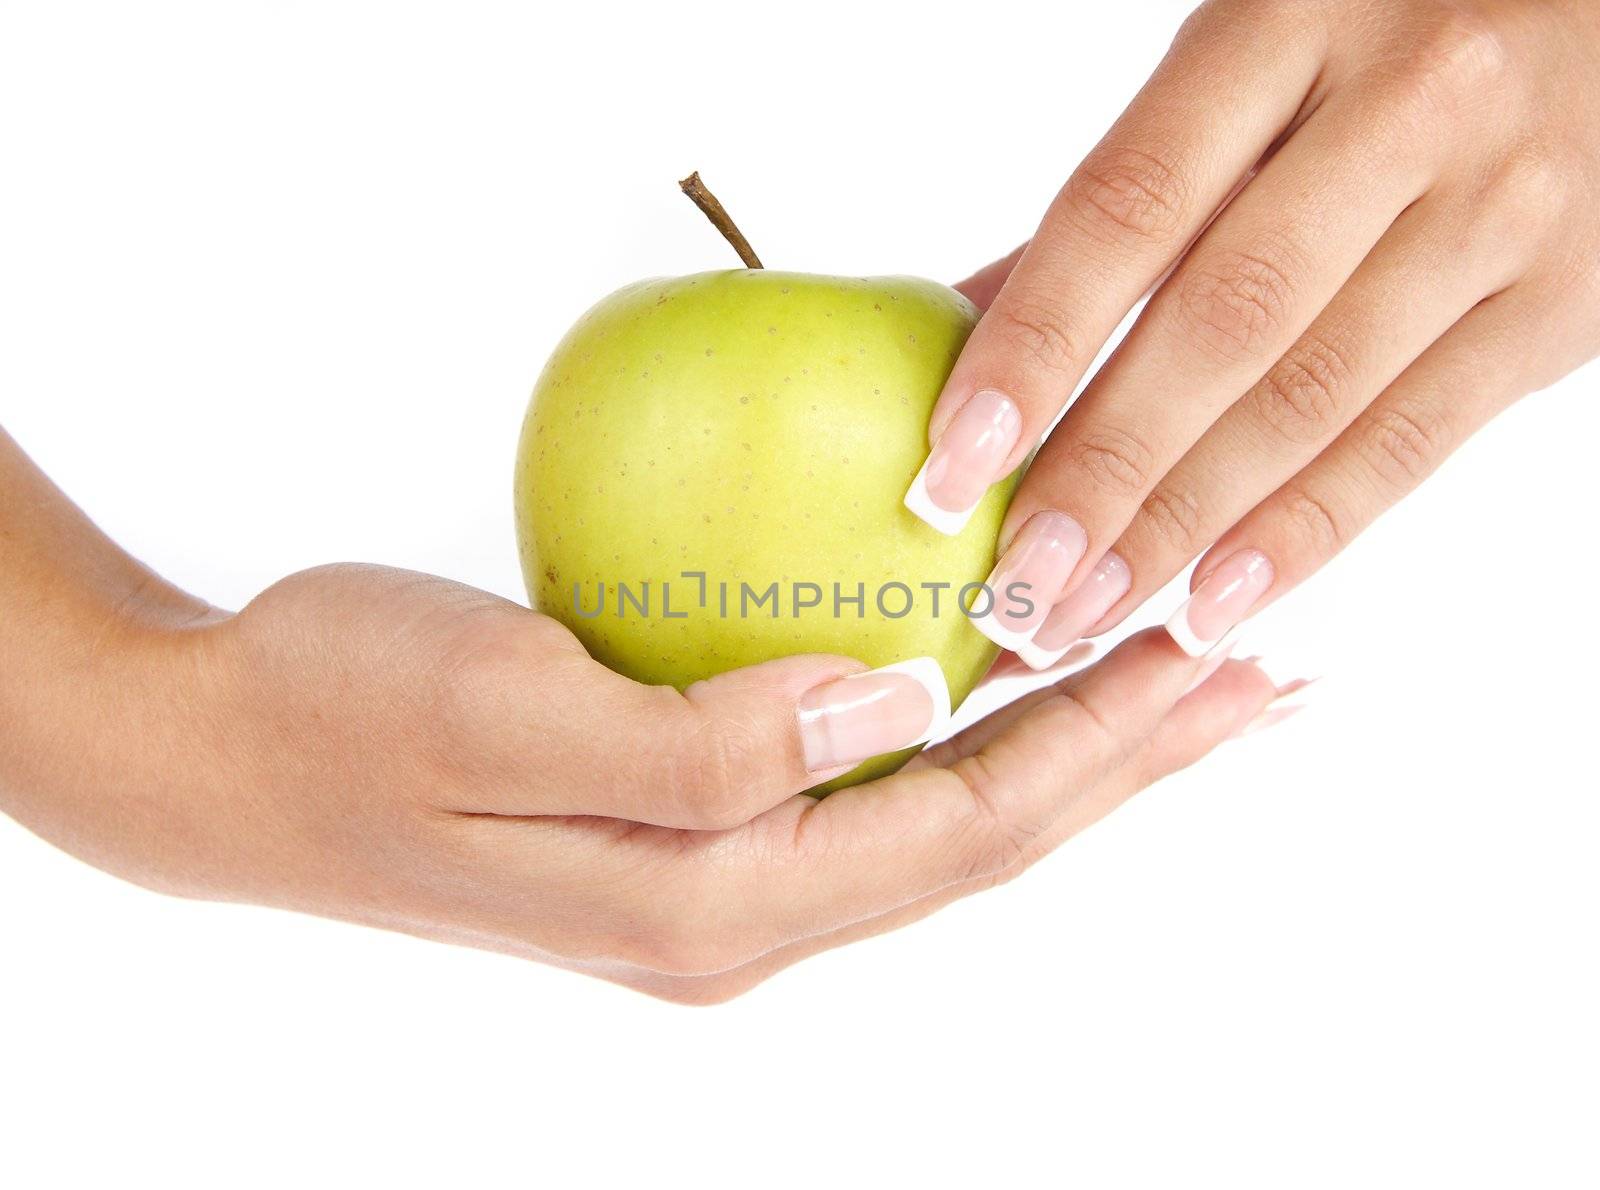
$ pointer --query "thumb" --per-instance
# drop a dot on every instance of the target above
(733, 746)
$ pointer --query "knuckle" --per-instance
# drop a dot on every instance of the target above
(1531, 189)
(1227, 24)
(1401, 444)
(1007, 828)
(1037, 330)
(1233, 306)
(1204, 19)
(1299, 397)
(1458, 58)
(995, 838)
(1117, 460)
(1175, 517)
(462, 702)
(1129, 194)
(1317, 521)
(1465, 51)
(712, 792)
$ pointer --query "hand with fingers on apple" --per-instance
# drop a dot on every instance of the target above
(399, 750)
(1365, 227)
(537, 803)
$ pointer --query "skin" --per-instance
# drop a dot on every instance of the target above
(1369, 226)
(1410, 245)
(402, 751)
(687, 423)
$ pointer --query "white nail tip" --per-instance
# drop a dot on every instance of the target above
(1227, 644)
(918, 501)
(1218, 653)
(1040, 659)
(926, 672)
(1183, 635)
(991, 626)
(1273, 713)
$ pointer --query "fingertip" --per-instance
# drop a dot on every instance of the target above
(1034, 661)
(922, 506)
(1183, 635)
(1240, 683)
(1219, 709)
(929, 674)
(862, 715)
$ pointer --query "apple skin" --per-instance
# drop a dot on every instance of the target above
(759, 427)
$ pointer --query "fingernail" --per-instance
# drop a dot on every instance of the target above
(1030, 577)
(1225, 598)
(1270, 716)
(1077, 613)
(965, 461)
(1219, 653)
(1287, 681)
(1290, 700)
(850, 719)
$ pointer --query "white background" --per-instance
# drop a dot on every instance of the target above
(274, 283)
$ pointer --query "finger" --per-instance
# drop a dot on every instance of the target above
(1003, 718)
(980, 288)
(719, 900)
(1222, 708)
(1474, 371)
(869, 849)
(716, 755)
(1225, 92)
(1228, 699)
(1252, 285)
(1008, 667)
(1442, 257)
(1228, 704)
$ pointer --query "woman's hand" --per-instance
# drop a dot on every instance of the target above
(399, 750)
(1370, 224)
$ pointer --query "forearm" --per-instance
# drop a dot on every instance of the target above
(85, 660)
(59, 572)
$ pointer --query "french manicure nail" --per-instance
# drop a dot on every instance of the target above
(1285, 678)
(1219, 653)
(1291, 698)
(867, 714)
(965, 461)
(1225, 598)
(1272, 715)
(1077, 613)
(1030, 576)
(1295, 686)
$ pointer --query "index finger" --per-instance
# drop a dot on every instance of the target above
(1234, 80)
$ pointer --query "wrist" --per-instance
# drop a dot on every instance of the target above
(104, 741)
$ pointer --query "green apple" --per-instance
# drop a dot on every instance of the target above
(699, 440)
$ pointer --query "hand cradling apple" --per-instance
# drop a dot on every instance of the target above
(710, 476)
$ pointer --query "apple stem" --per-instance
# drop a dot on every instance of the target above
(720, 219)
